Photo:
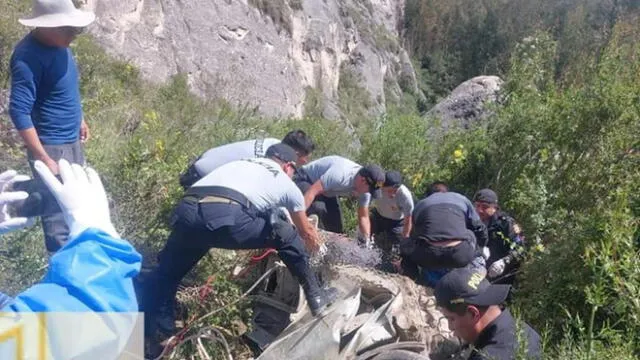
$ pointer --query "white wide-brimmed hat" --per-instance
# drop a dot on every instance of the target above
(57, 13)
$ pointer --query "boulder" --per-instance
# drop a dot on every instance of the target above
(467, 103)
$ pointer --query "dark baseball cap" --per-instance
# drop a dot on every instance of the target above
(466, 286)
(486, 195)
(282, 152)
(393, 178)
(375, 177)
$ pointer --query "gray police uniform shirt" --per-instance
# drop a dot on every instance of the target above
(261, 180)
(337, 175)
(218, 156)
(395, 208)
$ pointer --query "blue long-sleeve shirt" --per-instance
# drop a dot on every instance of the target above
(45, 91)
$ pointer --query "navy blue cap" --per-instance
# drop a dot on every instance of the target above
(393, 178)
(466, 286)
(375, 177)
(486, 195)
(282, 152)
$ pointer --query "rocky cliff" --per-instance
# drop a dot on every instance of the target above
(275, 55)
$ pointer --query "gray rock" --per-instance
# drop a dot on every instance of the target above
(230, 49)
(467, 102)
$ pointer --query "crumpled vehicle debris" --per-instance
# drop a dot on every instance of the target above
(378, 314)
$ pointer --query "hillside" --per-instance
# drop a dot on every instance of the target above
(559, 144)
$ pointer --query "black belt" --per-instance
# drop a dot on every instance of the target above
(213, 192)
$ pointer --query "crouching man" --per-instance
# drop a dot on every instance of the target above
(473, 309)
(391, 214)
(506, 240)
(324, 180)
(447, 233)
(236, 207)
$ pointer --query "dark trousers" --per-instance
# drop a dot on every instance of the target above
(417, 252)
(199, 227)
(387, 232)
(327, 208)
(56, 232)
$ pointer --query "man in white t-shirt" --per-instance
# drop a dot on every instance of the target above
(324, 180)
(248, 149)
(390, 216)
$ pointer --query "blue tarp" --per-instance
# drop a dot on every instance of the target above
(93, 272)
(85, 304)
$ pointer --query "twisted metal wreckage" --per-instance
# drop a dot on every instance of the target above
(379, 316)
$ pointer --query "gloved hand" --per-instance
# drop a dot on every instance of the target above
(496, 269)
(364, 241)
(486, 253)
(322, 251)
(8, 223)
(81, 197)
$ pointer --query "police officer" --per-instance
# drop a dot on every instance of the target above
(324, 180)
(447, 233)
(506, 241)
(391, 213)
(218, 156)
(236, 207)
(473, 309)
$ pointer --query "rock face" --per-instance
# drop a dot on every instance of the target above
(269, 54)
(467, 102)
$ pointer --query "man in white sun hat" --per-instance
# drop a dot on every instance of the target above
(45, 104)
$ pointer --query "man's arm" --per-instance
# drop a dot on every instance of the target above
(313, 191)
(306, 230)
(23, 97)
(406, 229)
(85, 134)
(405, 201)
(32, 141)
(364, 223)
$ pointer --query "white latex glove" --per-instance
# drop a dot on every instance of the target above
(8, 223)
(486, 253)
(323, 250)
(496, 269)
(81, 197)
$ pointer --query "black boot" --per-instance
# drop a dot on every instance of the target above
(317, 297)
(318, 304)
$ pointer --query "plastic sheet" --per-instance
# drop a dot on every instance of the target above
(86, 303)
